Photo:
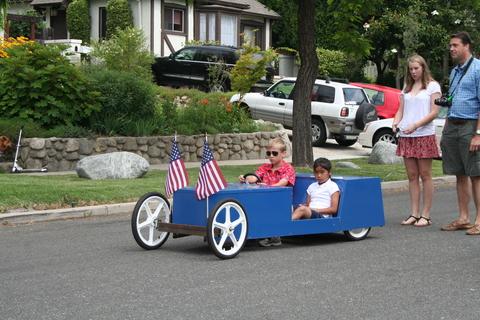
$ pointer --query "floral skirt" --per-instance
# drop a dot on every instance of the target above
(418, 147)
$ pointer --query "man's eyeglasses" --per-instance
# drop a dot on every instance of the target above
(275, 153)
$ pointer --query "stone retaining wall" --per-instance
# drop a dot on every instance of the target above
(62, 154)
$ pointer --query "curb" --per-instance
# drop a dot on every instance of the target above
(126, 208)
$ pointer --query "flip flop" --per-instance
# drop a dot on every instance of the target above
(409, 224)
(422, 225)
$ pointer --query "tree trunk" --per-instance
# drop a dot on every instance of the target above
(302, 153)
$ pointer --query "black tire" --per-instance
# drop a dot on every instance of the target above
(385, 135)
(151, 208)
(319, 133)
(345, 143)
(247, 110)
(357, 234)
(366, 113)
(225, 237)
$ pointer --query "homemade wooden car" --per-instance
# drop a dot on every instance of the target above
(242, 211)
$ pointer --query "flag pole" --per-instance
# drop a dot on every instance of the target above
(206, 139)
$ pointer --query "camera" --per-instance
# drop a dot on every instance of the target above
(445, 101)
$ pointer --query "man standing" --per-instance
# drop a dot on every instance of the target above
(461, 135)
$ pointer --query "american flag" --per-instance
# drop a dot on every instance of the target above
(177, 177)
(210, 178)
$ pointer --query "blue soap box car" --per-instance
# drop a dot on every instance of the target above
(242, 211)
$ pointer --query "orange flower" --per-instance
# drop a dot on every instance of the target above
(205, 101)
(229, 109)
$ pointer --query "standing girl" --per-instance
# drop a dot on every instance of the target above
(417, 143)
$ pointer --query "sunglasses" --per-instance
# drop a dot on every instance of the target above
(275, 153)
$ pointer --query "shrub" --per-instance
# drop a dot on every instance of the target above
(125, 98)
(38, 83)
(119, 17)
(11, 129)
(212, 116)
(79, 20)
(126, 51)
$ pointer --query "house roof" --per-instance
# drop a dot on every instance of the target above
(252, 7)
(48, 2)
(260, 9)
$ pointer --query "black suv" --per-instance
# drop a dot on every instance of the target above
(189, 67)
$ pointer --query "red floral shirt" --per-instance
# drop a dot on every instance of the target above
(269, 177)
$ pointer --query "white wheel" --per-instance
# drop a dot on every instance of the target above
(152, 208)
(227, 228)
(357, 234)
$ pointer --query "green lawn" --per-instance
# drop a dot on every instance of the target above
(57, 191)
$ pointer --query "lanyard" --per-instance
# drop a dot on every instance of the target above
(450, 93)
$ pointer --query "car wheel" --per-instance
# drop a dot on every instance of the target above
(219, 87)
(356, 234)
(345, 143)
(319, 133)
(366, 113)
(385, 135)
(246, 108)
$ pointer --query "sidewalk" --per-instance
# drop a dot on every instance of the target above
(126, 208)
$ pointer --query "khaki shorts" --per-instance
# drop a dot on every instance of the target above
(456, 156)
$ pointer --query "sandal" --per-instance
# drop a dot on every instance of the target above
(412, 223)
(422, 225)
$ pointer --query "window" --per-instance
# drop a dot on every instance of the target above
(207, 26)
(354, 96)
(228, 30)
(186, 54)
(212, 26)
(376, 97)
(282, 90)
(173, 20)
(102, 25)
(325, 94)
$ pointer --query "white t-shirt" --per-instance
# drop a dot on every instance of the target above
(416, 108)
(321, 195)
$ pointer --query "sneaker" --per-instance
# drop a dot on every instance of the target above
(275, 241)
(455, 225)
(474, 230)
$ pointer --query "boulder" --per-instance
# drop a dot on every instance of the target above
(384, 153)
(116, 165)
(346, 164)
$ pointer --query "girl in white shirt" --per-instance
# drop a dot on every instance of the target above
(417, 143)
(322, 196)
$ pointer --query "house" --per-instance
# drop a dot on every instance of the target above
(169, 23)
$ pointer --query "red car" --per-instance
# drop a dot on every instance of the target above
(386, 99)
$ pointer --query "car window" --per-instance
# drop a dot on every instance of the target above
(186, 54)
(354, 96)
(376, 97)
(209, 54)
(229, 57)
(282, 90)
(323, 93)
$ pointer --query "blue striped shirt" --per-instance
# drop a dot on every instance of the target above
(466, 102)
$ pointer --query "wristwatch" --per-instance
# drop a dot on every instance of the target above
(477, 132)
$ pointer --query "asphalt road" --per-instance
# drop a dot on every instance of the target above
(93, 269)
